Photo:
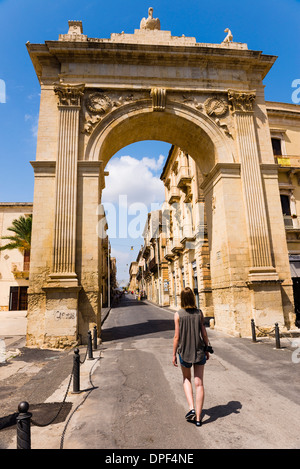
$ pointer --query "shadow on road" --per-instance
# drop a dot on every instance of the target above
(125, 301)
(220, 411)
(140, 329)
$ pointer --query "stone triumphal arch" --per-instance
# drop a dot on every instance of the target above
(99, 95)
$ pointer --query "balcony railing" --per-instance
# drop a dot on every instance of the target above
(169, 255)
(288, 221)
(174, 195)
(176, 247)
(187, 234)
(184, 176)
(288, 160)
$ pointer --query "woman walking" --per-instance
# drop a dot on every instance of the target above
(191, 341)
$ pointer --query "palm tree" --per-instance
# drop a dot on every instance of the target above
(21, 239)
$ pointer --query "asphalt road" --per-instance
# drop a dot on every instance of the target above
(136, 400)
(252, 391)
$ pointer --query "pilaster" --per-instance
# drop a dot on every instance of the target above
(64, 244)
(255, 205)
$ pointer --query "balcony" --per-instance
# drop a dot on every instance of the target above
(139, 274)
(288, 221)
(174, 195)
(146, 251)
(153, 265)
(169, 255)
(288, 161)
(187, 234)
(20, 270)
(177, 247)
(184, 177)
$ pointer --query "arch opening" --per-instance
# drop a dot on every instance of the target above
(188, 129)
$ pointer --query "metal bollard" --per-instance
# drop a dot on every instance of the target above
(76, 371)
(90, 348)
(277, 335)
(23, 426)
(253, 330)
(95, 337)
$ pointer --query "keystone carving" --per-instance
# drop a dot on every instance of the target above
(158, 99)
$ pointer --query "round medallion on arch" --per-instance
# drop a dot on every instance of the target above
(98, 103)
(216, 106)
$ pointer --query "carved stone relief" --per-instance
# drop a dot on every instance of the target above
(98, 104)
(241, 100)
(214, 106)
(69, 95)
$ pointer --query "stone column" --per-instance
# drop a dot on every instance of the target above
(62, 289)
(64, 245)
(256, 215)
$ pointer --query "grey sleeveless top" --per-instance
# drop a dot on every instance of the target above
(191, 343)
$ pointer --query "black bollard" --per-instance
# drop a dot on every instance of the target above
(76, 371)
(95, 337)
(90, 348)
(277, 335)
(23, 426)
(253, 330)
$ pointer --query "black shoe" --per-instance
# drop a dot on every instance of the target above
(198, 423)
(190, 415)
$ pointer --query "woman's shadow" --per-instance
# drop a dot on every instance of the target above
(219, 411)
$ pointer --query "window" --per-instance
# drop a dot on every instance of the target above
(26, 262)
(285, 204)
(276, 145)
(18, 298)
(183, 278)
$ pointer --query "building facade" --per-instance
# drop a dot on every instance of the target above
(133, 283)
(284, 120)
(153, 268)
(14, 265)
(187, 247)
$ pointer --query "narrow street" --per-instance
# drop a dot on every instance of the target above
(252, 390)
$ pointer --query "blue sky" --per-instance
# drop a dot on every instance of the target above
(269, 26)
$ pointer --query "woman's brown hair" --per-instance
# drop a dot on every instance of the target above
(187, 298)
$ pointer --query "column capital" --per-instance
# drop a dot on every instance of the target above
(241, 101)
(69, 95)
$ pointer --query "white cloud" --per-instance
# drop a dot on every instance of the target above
(34, 123)
(134, 179)
(133, 188)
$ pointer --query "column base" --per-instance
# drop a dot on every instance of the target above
(262, 274)
(61, 312)
(266, 299)
(65, 279)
